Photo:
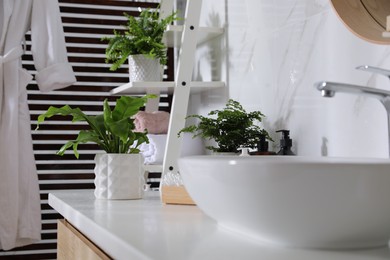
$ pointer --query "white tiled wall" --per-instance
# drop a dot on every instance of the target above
(270, 56)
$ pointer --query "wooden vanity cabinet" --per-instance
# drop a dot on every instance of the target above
(71, 244)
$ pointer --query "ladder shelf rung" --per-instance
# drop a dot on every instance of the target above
(163, 87)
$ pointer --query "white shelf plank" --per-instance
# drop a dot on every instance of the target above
(164, 87)
(143, 87)
(174, 32)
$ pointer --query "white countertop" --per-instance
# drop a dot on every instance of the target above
(148, 229)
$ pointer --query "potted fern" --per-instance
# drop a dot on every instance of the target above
(142, 44)
(231, 128)
(119, 171)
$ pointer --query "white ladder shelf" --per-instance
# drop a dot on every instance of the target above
(186, 37)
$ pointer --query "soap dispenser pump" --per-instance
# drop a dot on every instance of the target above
(285, 143)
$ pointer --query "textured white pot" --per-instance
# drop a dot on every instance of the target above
(142, 68)
(119, 176)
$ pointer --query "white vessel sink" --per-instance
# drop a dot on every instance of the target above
(307, 202)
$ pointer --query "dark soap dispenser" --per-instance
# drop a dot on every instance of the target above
(262, 147)
(285, 143)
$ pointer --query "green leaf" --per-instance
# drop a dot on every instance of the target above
(65, 147)
(140, 138)
(83, 137)
(127, 106)
(77, 114)
(98, 124)
(120, 128)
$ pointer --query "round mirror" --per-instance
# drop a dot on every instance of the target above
(365, 18)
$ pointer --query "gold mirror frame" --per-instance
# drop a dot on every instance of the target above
(365, 18)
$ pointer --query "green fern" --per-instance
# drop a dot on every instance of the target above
(230, 127)
(143, 35)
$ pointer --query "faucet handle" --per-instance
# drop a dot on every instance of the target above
(372, 69)
(244, 151)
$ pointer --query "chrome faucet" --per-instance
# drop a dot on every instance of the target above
(376, 70)
(329, 89)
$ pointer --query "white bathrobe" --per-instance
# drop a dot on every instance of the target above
(20, 214)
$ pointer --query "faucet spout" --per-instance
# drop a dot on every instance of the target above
(376, 70)
(329, 89)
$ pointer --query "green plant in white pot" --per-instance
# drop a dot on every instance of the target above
(142, 44)
(119, 171)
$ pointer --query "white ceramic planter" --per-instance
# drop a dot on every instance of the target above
(119, 176)
(142, 68)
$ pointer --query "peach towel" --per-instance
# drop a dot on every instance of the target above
(156, 122)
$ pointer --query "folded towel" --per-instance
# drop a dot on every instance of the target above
(156, 122)
(153, 152)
